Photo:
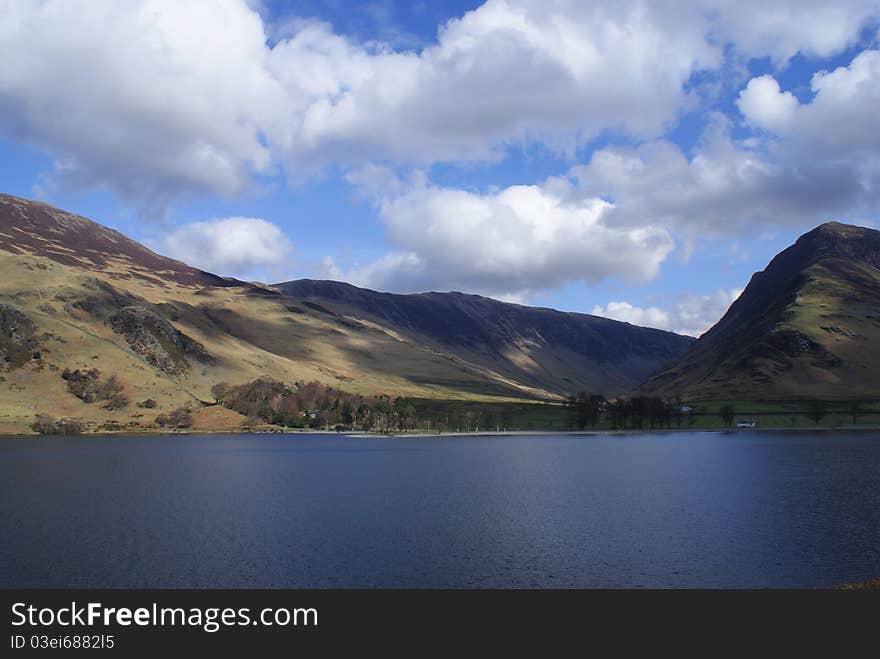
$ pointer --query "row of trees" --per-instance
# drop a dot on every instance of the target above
(635, 412)
(315, 405)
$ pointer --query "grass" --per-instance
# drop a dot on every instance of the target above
(785, 414)
(263, 338)
(549, 416)
(463, 415)
(359, 362)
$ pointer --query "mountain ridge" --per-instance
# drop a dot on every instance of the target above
(481, 325)
(805, 326)
(81, 297)
(43, 230)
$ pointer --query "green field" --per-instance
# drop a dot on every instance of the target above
(786, 414)
(465, 416)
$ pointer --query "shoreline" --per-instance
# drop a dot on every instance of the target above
(360, 434)
(636, 431)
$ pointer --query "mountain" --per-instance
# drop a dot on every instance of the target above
(37, 229)
(543, 349)
(807, 326)
(76, 297)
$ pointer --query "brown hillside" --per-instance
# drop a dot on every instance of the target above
(78, 295)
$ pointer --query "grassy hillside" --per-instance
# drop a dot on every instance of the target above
(807, 327)
(547, 350)
(78, 296)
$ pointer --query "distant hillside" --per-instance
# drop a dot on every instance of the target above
(807, 326)
(38, 229)
(77, 296)
(542, 348)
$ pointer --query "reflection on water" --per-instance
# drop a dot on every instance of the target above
(676, 509)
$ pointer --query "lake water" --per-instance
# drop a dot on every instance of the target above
(747, 509)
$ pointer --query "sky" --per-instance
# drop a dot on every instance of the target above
(636, 160)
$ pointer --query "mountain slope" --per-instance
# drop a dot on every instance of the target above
(544, 349)
(807, 326)
(34, 228)
(78, 296)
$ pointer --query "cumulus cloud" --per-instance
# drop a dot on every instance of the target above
(506, 242)
(497, 241)
(689, 314)
(152, 99)
(158, 99)
(628, 313)
(155, 100)
(841, 121)
(229, 246)
(765, 105)
(554, 72)
(784, 28)
(728, 187)
(614, 216)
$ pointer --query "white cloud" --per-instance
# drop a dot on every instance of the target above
(615, 215)
(506, 242)
(842, 120)
(555, 72)
(229, 246)
(783, 28)
(689, 314)
(329, 270)
(628, 313)
(558, 72)
(730, 188)
(765, 105)
(152, 99)
(497, 241)
(158, 99)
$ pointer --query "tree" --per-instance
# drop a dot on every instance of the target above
(44, 425)
(658, 412)
(70, 427)
(116, 401)
(584, 408)
(110, 388)
(677, 411)
(219, 391)
(816, 411)
(619, 411)
(855, 410)
(347, 414)
(88, 387)
(83, 384)
(727, 414)
(641, 407)
(181, 418)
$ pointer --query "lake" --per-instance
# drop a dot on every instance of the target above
(698, 509)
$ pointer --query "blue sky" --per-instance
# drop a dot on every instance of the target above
(637, 160)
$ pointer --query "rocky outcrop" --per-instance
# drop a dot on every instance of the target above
(18, 341)
(156, 340)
